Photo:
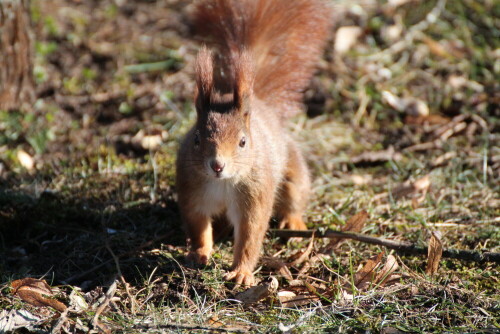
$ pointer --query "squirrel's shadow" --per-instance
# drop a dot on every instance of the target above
(86, 241)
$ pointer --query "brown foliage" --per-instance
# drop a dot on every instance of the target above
(36, 292)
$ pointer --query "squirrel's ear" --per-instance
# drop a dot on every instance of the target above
(204, 78)
(243, 81)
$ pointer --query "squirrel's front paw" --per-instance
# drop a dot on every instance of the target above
(240, 277)
(199, 256)
(292, 222)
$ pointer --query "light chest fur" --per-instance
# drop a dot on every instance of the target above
(217, 197)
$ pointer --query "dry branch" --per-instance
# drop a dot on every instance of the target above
(401, 247)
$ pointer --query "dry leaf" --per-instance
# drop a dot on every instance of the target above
(426, 120)
(76, 302)
(147, 141)
(422, 184)
(385, 274)
(361, 179)
(368, 276)
(215, 322)
(439, 161)
(345, 38)
(417, 189)
(277, 265)
(346, 296)
(35, 291)
(101, 327)
(15, 319)
(354, 224)
(290, 299)
(259, 292)
(455, 125)
(286, 295)
(434, 253)
(25, 160)
(436, 48)
(309, 264)
(305, 255)
(454, 130)
(364, 277)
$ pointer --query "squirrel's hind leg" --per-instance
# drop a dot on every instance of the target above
(294, 192)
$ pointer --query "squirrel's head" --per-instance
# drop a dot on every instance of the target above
(222, 138)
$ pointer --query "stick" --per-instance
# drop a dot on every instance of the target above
(402, 247)
(107, 299)
(133, 302)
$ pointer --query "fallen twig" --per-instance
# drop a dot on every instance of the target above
(133, 302)
(402, 247)
(107, 299)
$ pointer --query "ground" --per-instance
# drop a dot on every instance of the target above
(403, 124)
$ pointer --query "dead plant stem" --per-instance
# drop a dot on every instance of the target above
(401, 247)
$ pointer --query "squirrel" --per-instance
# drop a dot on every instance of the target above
(238, 161)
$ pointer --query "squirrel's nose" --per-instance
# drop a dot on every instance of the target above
(217, 166)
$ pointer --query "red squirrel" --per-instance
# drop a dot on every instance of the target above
(238, 160)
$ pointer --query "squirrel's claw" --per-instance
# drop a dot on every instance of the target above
(240, 277)
(198, 257)
(292, 222)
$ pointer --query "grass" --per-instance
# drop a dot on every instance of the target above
(99, 207)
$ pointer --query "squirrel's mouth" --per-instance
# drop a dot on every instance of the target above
(217, 168)
(223, 175)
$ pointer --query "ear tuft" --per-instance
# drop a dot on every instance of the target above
(204, 77)
(243, 79)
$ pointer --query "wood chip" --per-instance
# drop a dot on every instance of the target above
(345, 38)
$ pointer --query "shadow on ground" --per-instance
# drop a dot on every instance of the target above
(79, 240)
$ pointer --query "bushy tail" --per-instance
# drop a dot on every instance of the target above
(285, 39)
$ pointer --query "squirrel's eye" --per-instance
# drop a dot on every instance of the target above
(242, 142)
(196, 140)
